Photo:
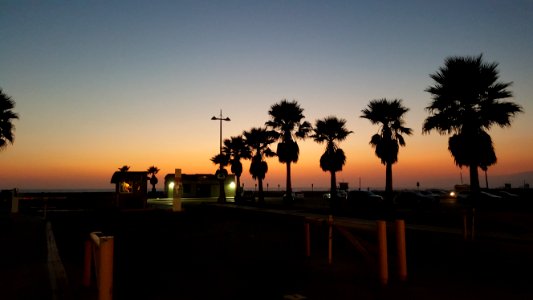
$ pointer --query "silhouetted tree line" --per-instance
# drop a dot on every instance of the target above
(467, 100)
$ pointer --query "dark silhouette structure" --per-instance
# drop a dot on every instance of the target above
(389, 115)
(130, 189)
(236, 149)
(7, 135)
(331, 131)
(259, 140)
(286, 121)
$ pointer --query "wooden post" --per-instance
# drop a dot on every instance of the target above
(105, 276)
(382, 252)
(402, 253)
(307, 240)
(86, 280)
(330, 239)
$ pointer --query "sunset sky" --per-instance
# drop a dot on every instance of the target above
(102, 84)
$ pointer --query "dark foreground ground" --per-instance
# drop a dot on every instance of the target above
(226, 252)
(210, 252)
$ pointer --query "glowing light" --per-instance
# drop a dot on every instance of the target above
(452, 194)
(171, 185)
(232, 185)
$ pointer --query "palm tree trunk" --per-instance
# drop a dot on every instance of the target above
(333, 191)
(388, 182)
(222, 192)
(474, 179)
(238, 189)
(474, 189)
(288, 191)
(260, 197)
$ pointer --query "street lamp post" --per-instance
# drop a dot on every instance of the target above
(221, 174)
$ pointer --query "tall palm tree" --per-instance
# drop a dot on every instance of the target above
(223, 160)
(259, 140)
(331, 131)
(236, 149)
(286, 120)
(388, 114)
(153, 179)
(467, 101)
(7, 135)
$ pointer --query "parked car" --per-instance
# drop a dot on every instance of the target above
(295, 195)
(247, 196)
(341, 194)
(413, 199)
(484, 197)
(364, 198)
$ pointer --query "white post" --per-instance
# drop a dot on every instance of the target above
(176, 202)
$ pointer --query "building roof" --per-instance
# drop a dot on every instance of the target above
(119, 176)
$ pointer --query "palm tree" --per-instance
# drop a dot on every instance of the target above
(124, 168)
(331, 130)
(259, 140)
(236, 149)
(467, 102)
(6, 116)
(389, 115)
(286, 120)
(153, 180)
(221, 159)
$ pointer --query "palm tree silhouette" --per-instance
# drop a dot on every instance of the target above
(124, 168)
(221, 159)
(153, 180)
(286, 120)
(236, 149)
(259, 140)
(467, 103)
(331, 131)
(6, 116)
(389, 115)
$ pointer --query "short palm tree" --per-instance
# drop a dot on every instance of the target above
(7, 116)
(259, 140)
(287, 120)
(124, 168)
(236, 149)
(467, 102)
(222, 160)
(331, 131)
(153, 179)
(388, 114)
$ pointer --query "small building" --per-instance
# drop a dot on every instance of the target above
(200, 185)
(131, 189)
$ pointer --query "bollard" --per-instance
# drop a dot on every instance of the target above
(307, 240)
(330, 239)
(105, 272)
(382, 252)
(402, 253)
(101, 249)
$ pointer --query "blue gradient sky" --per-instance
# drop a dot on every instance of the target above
(100, 84)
